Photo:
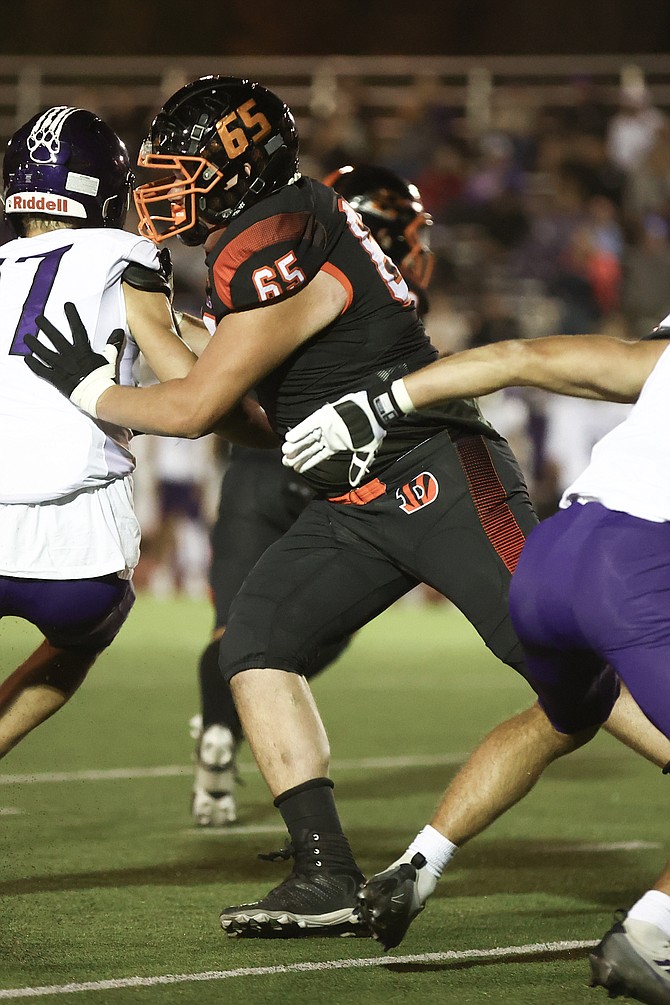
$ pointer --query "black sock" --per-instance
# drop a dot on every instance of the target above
(310, 806)
(309, 810)
(216, 697)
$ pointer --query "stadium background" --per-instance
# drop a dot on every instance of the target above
(540, 138)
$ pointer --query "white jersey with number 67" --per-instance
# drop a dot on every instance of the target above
(49, 449)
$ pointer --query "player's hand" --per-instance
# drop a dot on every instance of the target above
(73, 367)
(349, 424)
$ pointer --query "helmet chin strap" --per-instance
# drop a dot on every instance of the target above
(194, 236)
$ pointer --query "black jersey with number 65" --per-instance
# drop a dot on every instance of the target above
(271, 252)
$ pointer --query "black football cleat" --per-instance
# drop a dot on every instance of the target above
(390, 901)
(633, 959)
(313, 900)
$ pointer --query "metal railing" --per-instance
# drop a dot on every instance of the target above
(382, 87)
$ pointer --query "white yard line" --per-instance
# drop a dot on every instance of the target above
(364, 764)
(591, 846)
(179, 770)
(231, 830)
(504, 952)
(174, 770)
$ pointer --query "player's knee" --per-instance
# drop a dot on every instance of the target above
(235, 659)
(64, 669)
(579, 708)
(236, 669)
(263, 638)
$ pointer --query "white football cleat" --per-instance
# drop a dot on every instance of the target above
(213, 800)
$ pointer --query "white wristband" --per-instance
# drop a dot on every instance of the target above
(88, 390)
(401, 395)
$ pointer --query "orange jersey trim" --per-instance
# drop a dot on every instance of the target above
(336, 273)
(265, 233)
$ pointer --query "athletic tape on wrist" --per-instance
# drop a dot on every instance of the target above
(88, 390)
(401, 395)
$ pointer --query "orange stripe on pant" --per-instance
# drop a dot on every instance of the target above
(489, 497)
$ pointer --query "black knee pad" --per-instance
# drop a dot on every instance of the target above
(246, 647)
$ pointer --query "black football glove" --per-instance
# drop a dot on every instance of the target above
(166, 270)
(74, 368)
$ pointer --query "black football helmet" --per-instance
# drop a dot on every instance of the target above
(66, 162)
(226, 143)
(393, 212)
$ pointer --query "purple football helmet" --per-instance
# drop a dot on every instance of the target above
(66, 162)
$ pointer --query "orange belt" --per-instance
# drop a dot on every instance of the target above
(360, 496)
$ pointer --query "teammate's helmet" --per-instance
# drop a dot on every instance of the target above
(393, 212)
(66, 162)
(226, 142)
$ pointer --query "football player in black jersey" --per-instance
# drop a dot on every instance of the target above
(260, 498)
(308, 307)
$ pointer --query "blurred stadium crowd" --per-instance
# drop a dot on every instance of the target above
(546, 219)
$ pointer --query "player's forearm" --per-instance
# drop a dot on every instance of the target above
(589, 366)
(193, 331)
(247, 425)
(168, 409)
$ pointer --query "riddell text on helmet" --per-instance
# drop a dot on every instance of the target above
(35, 202)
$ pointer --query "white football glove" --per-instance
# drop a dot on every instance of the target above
(355, 424)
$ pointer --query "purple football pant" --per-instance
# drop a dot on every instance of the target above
(591, 592)
(71, 613)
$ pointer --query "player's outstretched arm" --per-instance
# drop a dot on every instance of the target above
(585, 366)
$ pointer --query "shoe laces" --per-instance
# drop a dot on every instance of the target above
(284, 854)
(316, 851)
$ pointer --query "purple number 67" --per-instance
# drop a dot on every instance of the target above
(38, 295)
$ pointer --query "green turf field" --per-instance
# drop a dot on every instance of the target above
(103, 879)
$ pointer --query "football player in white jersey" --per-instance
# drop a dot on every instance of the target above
(588, 597)
(69, 537)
